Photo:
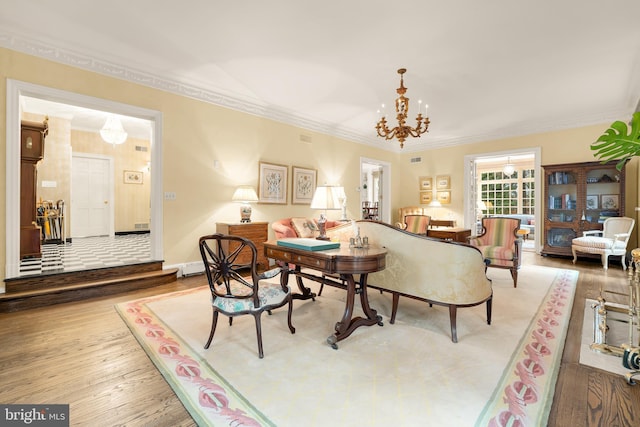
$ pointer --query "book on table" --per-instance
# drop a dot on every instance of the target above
(307, 244)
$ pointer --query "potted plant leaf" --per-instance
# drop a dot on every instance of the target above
(619, 142)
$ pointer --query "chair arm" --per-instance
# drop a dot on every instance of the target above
(621, 236)
(401, 225)
(269, 274)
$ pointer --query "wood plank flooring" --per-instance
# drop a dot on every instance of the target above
(81, 353)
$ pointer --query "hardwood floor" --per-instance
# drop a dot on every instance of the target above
(81, 353)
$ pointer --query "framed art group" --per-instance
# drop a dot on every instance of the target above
(442, 187)
(273, 184)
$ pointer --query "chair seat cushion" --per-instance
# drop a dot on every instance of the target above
(596, 242)
(269, 294)
(497, 253)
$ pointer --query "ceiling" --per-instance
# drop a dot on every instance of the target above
(487, 70)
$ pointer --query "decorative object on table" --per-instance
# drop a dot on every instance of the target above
(245, 194)
(619, 142)
(443, 197)
(272, 183)
(443, 182)
(133, 177)
(425, 183)
(403, 131)
(303, 185)
(357, 241)
(325, 198)
(426, 197)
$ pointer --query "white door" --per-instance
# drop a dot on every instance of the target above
(90, 196)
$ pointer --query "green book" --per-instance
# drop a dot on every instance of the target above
(308, 244)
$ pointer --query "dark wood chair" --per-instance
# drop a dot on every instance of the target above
(236, 291)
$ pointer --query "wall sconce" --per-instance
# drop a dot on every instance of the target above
(245, 194)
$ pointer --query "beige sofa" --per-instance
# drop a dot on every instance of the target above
(432, 270)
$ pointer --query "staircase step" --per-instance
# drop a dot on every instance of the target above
(79, 286)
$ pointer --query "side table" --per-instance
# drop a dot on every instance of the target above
(454, 233)
(257, 232)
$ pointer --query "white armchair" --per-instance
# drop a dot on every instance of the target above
(613, 241)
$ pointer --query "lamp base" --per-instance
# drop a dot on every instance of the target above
(322, 228)
(245, 213)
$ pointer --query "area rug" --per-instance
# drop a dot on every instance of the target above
(406, 374)
(617, 334)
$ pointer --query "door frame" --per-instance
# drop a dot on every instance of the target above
(470, 209)
(110, 190)
(16, 89)
(385, 212)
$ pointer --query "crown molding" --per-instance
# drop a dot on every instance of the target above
(50, 52)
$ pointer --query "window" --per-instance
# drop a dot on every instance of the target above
(508, 195)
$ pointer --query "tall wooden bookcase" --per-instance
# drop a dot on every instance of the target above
(579, 197)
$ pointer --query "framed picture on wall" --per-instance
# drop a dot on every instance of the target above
(426, 197)
(425, 183)
(272, 183)
(133, 177)
(443, 182)
(303, 185)
(444, 197)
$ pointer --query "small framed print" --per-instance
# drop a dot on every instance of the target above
(444, 197)
(425, 183)
(592, 202)
(272, 183)
(609, 201)
(303, 185)
(133, 177)
(443, 182)
(426, 197)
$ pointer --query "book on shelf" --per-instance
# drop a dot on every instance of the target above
(307, 244)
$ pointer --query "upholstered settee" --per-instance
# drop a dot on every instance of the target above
(435, 271)
(298, 227)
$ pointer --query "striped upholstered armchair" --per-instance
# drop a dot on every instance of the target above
(417, 224)
(500, 244)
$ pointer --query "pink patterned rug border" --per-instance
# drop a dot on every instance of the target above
(206, 395)
(524, 395)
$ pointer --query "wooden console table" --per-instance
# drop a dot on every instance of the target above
(343, 262)
(455, 233)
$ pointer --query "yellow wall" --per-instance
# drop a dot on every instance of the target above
(195, 134)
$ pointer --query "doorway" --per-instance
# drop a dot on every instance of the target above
(526, 193)
(375, 188)
(16, 91)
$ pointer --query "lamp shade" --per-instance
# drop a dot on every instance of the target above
(245, 194)
(435, 204)
(113, 132)
(326, 197)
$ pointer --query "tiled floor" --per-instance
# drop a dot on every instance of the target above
(89, 253)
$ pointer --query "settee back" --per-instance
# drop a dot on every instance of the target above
(432, 269)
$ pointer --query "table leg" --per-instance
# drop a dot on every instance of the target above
(348, 324)
(305, 293)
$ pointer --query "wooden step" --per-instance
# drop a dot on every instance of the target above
(44, 290)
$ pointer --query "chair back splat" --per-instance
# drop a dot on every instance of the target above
(238, 288)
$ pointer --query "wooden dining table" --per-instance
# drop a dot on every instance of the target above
(336, 267)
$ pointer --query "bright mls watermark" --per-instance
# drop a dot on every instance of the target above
(34, 415)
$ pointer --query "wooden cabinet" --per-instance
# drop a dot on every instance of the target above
(32, 135)
(455, 234)
(257, 232)
(579, 197)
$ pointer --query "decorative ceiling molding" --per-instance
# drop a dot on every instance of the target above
(84, 61)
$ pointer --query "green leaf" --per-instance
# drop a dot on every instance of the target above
(619, 142)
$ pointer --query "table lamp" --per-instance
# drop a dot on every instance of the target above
(342, 199)
(245, 194)
(325, 198)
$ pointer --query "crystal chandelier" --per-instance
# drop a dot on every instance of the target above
(403, 131)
